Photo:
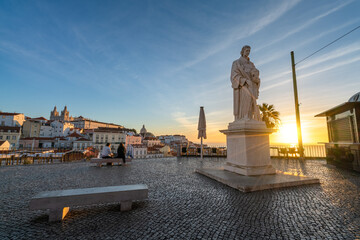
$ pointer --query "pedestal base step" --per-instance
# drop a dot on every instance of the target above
(249, 171)
(256, 183)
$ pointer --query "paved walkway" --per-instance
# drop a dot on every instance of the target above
(183, 204)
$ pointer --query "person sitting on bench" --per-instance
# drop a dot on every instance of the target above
(106, 152)
(121, 153)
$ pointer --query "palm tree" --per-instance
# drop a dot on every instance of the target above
(269, 115)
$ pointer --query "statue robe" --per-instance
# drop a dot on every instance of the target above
(246, 91)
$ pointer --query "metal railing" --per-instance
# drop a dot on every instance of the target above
(44, 156)
(310, 151)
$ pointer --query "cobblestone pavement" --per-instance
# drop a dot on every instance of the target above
(183, 204)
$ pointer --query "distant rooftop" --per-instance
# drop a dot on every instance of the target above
(9, 114)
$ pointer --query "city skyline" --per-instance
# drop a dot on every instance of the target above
(157, 62)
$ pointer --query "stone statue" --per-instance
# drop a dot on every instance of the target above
(245, 81)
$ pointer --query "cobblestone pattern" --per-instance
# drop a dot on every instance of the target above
(183, 204)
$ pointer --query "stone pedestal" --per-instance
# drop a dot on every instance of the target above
(248, 151)
(248, 167)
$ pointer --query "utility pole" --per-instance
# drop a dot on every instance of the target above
(297, 112)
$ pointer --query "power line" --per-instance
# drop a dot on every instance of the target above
(328, 45)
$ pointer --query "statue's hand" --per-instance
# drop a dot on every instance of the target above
(235, 83)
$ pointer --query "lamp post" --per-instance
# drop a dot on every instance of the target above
(297, 111)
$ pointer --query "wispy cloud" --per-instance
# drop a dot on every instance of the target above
(242, 31)
(284, 77)
(335, 54)
(279, 54)
(314, 72)
(330, 67)
(305, 25)
(185, 121)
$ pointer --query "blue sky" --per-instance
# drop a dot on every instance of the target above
(157, 62)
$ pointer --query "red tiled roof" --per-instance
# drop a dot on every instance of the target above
(9, 114)
(150, 138)
(158, 146)
(6, 128)
(46, 139)
(39, 118)
(38, 138)
(86, 119)
(82, 140)
(114, 130)
(60, 138)
(74, 134)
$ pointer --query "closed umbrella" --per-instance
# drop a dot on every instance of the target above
(202, 128)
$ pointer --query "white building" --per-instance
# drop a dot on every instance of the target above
(151, 141)
(47, 142)
(139, 151)
(61, 142)
(171, 139)
(60, 128)
(46, 130)
(82, 144)
(85, 123)
(11, 119)
(101, 136)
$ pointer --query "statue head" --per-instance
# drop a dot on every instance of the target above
(244, 52)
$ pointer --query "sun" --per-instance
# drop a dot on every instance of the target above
(286, 134)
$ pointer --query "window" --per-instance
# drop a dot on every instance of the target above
(7, 137)
(13, 137)
(1, 137)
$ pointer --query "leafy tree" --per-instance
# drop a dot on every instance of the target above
(269, 115)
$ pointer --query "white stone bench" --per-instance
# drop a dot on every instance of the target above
(100, 161)
(59, 202)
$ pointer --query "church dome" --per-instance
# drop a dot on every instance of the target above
(143, 130)
(148, 134)
(355, 98)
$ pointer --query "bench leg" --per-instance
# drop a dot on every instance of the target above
(125, 206)
(56, 215)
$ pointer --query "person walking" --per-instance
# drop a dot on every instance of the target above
(129, 151)
(121, 153)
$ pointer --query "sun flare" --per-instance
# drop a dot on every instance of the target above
(287, 133)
